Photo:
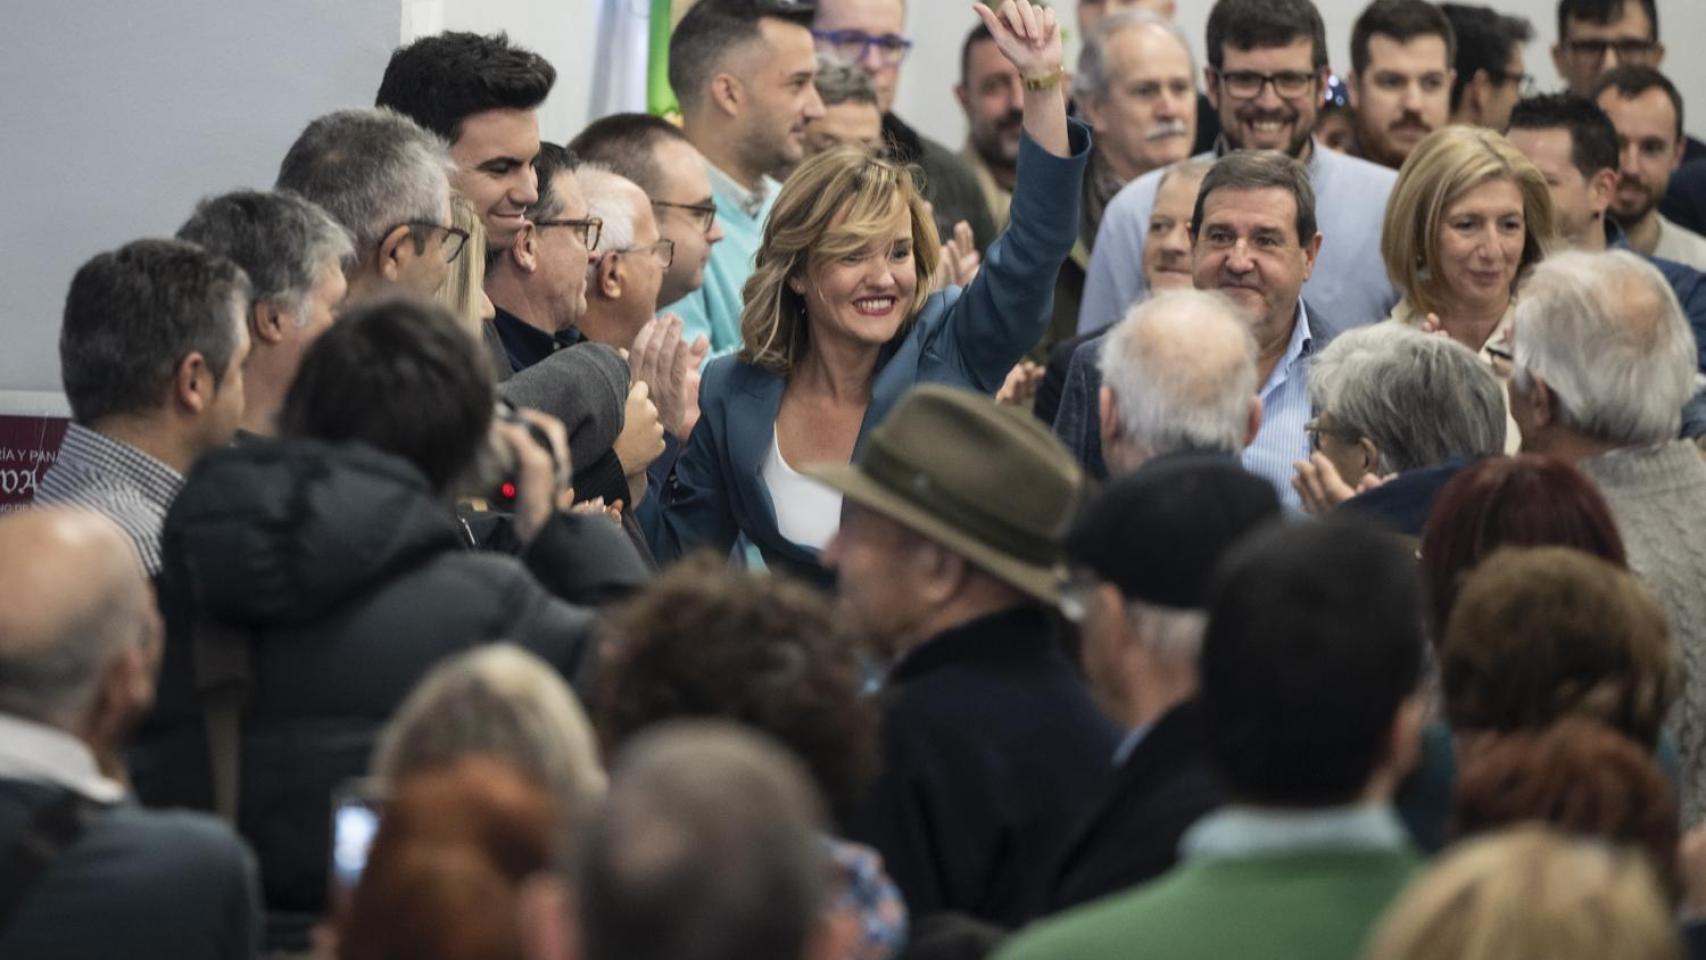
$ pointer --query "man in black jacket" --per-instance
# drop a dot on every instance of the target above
(949, 553)
(329, 563)
(1147, 547)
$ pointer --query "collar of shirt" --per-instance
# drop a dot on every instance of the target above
(727, 188)
(1129, 745)
(1240, 832)
(1302, 343)
(525, 343)
(98, 453)
(1222, 147)
(37, 753)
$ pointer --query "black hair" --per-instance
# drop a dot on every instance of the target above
(1257, 170)
(133, 314)
(1593, 139)
(711, 28)
(1601, 12)
(552, 160)
(626, 145)
(1249, 24)
(1403, 21)
(1485, 39)
(441, 80)
(1632, 80)
(401, 376)
(1314, 642)
(979, 34)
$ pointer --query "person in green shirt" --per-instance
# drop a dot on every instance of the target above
(1310, 671)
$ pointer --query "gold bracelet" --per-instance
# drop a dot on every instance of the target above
(1045, 82)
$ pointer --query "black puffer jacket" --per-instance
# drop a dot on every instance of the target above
(350, 581)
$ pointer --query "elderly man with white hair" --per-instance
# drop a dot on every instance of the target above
(1178, 376)
(1605, 359)
(628, 263)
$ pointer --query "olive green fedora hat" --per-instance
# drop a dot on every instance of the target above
(987, 481)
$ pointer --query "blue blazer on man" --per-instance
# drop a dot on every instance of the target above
(968, 338)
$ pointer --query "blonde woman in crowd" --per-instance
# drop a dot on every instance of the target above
(840, 321)
(1530, 894)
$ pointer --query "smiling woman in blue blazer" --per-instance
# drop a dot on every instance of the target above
(839, 322)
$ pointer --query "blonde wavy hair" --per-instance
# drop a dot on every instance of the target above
(837, 203)
(1528, 893)
(461, 288)
(1446, 165)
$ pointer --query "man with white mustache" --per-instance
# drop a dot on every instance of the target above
(1266, 73)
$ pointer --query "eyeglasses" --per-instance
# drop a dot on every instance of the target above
(855, 45)
(590, 228)
(705, 212)
(1527, 85)
(664, 250)
(1316, 430)
(1628, 51)
(454, 237)
(1248, 84)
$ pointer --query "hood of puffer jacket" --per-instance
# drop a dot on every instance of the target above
(277, 532)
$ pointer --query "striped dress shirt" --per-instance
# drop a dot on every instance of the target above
(117, 480)
(1282, 441)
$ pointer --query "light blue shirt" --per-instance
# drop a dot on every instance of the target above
(1282, 441)
(714, 309)
(1349, 287)
(1242, 832)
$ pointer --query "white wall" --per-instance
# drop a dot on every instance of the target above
(118, 115)
(940, 26)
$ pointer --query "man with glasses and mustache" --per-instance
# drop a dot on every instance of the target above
(1401, 76)
(870, 34)
(538, 285)
(1266, 75)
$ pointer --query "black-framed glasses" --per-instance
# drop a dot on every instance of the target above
(1248, 84)
(455, 238)
(1628, 51)
(855, 45)
(664, 250)
(590, 228)
(705, 213)
(1315, 430)
(1526, 85)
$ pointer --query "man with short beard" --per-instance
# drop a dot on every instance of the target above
(1647, 111)
(1400, 84)
(992, 96)
(1267, 69)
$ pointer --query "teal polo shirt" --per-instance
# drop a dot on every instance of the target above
(714, 309)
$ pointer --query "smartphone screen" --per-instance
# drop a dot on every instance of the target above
(355, 821)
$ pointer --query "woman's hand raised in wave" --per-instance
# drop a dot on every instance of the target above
(1027, 35)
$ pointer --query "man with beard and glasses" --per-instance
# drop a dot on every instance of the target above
(1267, 70)
(1646, 109)
(1401, 76)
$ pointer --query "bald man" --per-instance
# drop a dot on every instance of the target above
(628, 263)
(79, 644)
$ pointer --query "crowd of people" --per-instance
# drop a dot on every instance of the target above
(1222, 510)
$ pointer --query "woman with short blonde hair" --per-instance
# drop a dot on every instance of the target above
(464, 287)
(1467, 218)
(1530, 894)
(840, 321)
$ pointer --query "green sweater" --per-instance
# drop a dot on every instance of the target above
(1310, 905)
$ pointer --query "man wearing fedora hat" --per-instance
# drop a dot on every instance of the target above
(949, 552)
(1141, 619)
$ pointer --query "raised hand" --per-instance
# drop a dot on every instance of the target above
(1026, 34)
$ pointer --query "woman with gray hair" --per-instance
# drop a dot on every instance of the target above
(1391, 401)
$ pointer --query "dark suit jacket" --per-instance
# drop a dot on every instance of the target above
(137, 884)
(991, 750)
(1132, 833)
(967, 338)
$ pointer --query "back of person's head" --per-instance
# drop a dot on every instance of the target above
(135, 314)
(1260, 24)
(444, 876)
(1400, 20)
(371, 170)
(706, 641)
(1593, 138)
(1521, 501)
(1182, 371)
(1485, 39)
(711, 30)
(401, 376)
(1577, 776)
(73, 600)
(1313, 650)
(1419, 399)
(1606, 333)
(626, 144)
(1540, 633)
(504, 702)
(444, 79)
(281, 241)
(708, 848)
(1529, 894)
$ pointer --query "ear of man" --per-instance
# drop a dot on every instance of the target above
(610, 275)
(396, 250)
(267, 322)
(524, 252)
(193, 383)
